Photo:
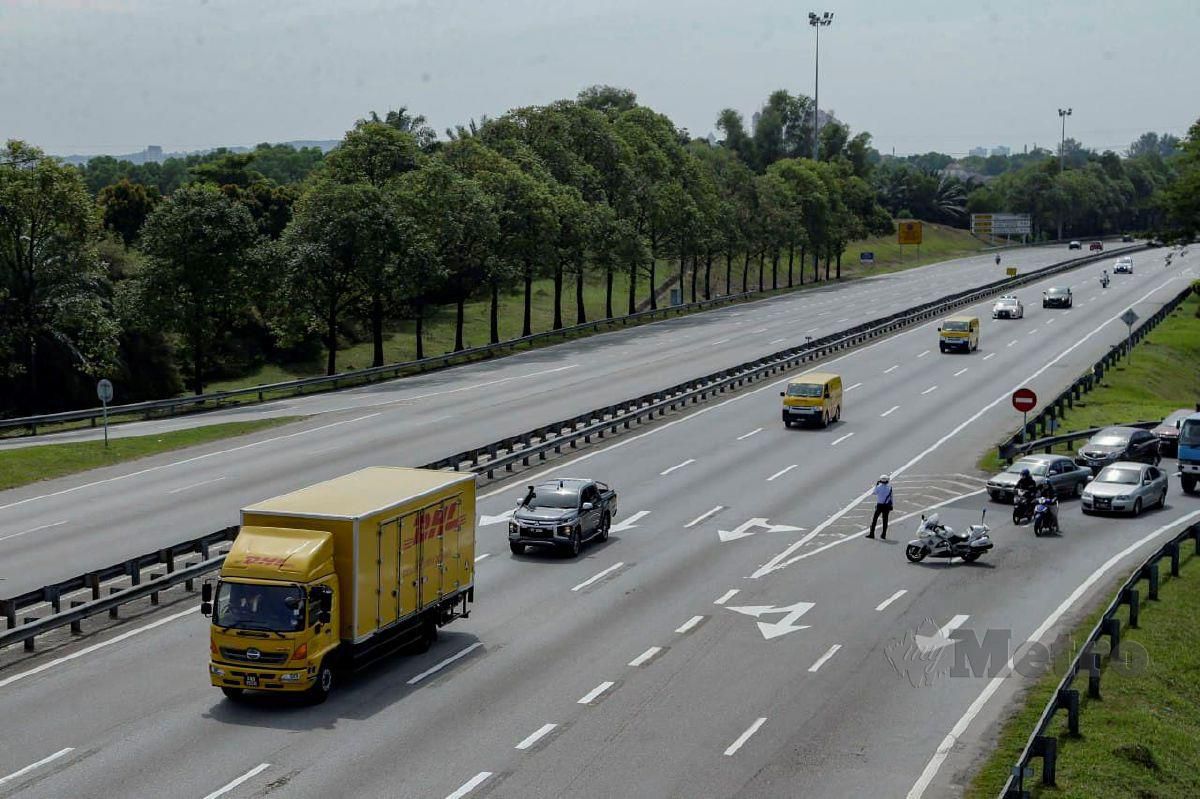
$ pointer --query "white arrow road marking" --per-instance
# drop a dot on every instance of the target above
(821, 660)
(786, 623)
(940, 639)
(16, 775)
(629, 523)
(485, 520)
(704, 516)
(745, 736)
(746, 529)
(688, 462)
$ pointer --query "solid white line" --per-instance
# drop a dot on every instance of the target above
(481, 557)
(891, 369)
(890, 411)
(960, 371)
(728, 595)
(196, 485)
(599, 576)
(186, 460)
(840, 440)
(923, 354)
(33, 530)
(745, 736)
(689, 624)
(642, 658)
(235, 783)
(856, 385)
(926, 391)
(18, 774)
(752, 432)
(821, 660)
(989, 355)
(782, 472)
(90, 649)
(882, 605)
(704, 516)
(462, 653)
(956, 732)
(470, 785)
(536, 736)
(688, 462)
(591, 695)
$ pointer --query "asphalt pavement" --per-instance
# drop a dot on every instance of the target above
(736, 636)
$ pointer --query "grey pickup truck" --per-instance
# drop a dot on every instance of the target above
(562, 514)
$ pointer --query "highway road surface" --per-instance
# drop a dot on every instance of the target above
(67, 526)
(736, 636)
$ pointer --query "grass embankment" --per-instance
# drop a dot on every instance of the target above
(30, 464)
(941, 243)
(1142, 737)
(1162, 376)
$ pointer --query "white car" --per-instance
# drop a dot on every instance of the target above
(1008, 307)
(1124, 266)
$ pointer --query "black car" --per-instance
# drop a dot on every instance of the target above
(1126, 237)
(562, 514)
(1057, 297)
(1114, 444)
(1167, 433)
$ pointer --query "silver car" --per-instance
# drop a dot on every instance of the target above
(1064, 474)
(1124, 266)
(1126, 487)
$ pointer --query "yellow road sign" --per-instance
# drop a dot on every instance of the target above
(909, 233)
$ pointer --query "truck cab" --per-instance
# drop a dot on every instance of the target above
(1189, 452)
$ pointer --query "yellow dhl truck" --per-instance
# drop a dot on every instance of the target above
(339, 574)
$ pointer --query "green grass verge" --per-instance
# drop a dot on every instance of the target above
(1142, 738)
(30, 464)
(1162, 376)
(941, 243)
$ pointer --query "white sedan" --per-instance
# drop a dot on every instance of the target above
(1008, 307)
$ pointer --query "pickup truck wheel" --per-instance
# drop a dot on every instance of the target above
(321, 687)
(234, 694)
(605, 523)
(515, 548)
(576, 544)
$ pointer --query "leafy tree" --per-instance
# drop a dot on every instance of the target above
(195, 284)
(124, 207)
(229, 169)
(1183, 198)
(53, 292)
(413, 124)
(608, 99)
(373, 152)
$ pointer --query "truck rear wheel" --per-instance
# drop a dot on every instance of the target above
(1188, 481)
(321, 687)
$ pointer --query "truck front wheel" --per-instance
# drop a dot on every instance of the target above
(233, 694)
(321, 687)
(1188, 481)
(515, 548)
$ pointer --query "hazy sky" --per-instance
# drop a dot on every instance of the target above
(86, 76)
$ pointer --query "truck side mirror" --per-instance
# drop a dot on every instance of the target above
(782, 394)
(206, 609)
(206, 592)
(327, 601)
(588, 506)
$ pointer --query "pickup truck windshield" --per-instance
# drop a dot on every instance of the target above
(552, 499)
(805, 390)
(1189, 434)
(959, 326)
(246, 606)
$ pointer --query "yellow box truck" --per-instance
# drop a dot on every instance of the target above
(339, 574)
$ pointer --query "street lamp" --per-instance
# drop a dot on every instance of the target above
(824, 20)
(1063, 113)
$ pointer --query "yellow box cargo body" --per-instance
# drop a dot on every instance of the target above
(337, 573)
(814, 397)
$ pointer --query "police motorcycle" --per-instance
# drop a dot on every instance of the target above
(937, 540)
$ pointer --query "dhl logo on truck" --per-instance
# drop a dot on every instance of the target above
(263, 560)
(436, 522)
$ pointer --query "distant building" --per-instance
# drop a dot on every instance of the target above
(754, 118)
(1001, 150)
(956, 169)
(979, 152)
(154, 154)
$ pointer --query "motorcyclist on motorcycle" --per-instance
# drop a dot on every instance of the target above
(1026, 482)
(1047, 495)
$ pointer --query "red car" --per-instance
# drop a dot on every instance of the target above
(1096, 245)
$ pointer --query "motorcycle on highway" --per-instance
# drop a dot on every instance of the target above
(936, 540)
(1045, 516)
(1023, 507)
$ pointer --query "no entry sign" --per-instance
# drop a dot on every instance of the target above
(1024, 400)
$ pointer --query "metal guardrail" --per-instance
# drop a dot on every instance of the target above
(539, 443)
(1041, 745)
(256, 394)
(1048, 443)
(1019, 444)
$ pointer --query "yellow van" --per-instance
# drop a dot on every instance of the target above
(959, 333)
(814, 397)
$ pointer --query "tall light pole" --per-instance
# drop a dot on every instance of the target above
(1063, 113)
(824, 20)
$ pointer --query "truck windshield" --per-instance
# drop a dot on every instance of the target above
(248, 606)
(959, 326)
(804, 390)
(1189, 434)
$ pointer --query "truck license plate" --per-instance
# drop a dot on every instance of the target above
(251, 679)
